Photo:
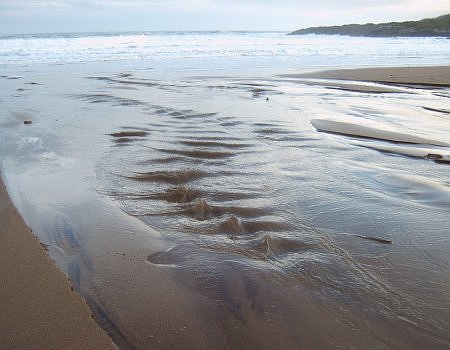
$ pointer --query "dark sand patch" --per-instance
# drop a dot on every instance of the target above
(409, 76)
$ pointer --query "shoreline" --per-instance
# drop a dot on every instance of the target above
(432, 76)
(39, 307)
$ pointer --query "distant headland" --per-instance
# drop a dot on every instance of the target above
(429, 27)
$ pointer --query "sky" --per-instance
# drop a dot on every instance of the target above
(40, 16)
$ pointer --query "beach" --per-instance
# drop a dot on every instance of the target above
(196, 204)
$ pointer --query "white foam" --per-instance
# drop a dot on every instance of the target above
(291, 51)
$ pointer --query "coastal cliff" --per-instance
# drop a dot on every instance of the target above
(429, 27)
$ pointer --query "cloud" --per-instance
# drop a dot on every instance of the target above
(83, 15)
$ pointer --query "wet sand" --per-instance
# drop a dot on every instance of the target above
(258, 250)
(38, 309)
(422, 76)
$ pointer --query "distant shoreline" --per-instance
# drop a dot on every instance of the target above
(429, 27)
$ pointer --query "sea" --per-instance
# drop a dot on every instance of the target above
(199, 194)
(219, 51)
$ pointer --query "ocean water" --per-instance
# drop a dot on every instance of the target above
(220, 50)
(200, 197)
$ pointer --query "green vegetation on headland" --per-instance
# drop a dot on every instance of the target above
(434, 27)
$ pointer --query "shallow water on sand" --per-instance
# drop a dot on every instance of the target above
(254, 213)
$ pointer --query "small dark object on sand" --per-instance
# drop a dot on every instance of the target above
(370, 238)
(27, 122)
(433, 156)
(376, 239)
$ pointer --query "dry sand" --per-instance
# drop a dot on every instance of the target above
(423, 76)
(38, 308)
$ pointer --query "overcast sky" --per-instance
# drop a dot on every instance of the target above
(39, 16)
